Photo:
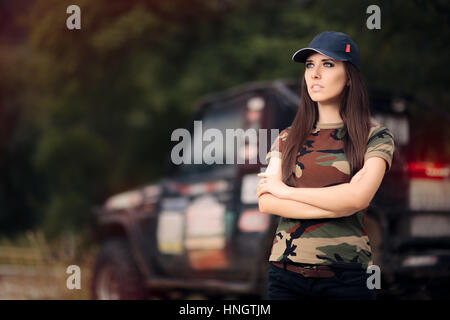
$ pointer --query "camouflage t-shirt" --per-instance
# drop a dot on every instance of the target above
(321, 162)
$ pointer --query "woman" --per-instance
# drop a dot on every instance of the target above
(323, 172)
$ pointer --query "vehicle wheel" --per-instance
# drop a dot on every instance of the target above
(115, 275)
(263, 290)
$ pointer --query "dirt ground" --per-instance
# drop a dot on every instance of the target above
(41, 283)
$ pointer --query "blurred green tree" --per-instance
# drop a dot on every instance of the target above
(95, 107)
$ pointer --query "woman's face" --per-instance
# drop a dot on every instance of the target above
(325, 78)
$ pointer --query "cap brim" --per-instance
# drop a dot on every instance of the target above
(302, 54)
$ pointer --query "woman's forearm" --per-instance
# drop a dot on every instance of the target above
(270, 204)
(342, 197)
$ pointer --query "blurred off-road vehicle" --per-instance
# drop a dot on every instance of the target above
(199, 229)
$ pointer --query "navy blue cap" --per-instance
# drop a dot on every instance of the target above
(336, 45)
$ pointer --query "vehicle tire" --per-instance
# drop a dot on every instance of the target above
(115, 275)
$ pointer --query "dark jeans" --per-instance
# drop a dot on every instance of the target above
(347, 284)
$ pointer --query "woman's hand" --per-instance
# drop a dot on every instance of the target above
(272, 184)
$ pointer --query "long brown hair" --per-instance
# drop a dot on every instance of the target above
(355, 112)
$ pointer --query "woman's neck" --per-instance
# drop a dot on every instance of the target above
(329, 112)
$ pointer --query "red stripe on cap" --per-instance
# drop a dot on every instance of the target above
(347, 49)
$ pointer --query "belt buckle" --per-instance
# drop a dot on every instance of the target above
(303, 271)
(310, 268)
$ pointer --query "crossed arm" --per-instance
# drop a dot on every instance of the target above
(274, 197)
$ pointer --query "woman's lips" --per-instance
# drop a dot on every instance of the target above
(316, 87)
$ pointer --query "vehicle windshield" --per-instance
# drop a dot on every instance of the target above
(221, 116)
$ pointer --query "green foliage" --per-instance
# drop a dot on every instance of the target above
(98, 105)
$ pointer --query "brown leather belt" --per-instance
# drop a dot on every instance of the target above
(307, 271)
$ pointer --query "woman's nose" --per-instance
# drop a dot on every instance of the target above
(315, 74)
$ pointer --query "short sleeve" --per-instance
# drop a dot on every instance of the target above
(380, 144)
(277, 146)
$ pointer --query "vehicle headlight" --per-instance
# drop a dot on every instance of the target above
(124, 200)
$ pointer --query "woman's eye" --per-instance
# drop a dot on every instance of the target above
(326, 64)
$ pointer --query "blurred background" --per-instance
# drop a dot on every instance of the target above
(86, 114)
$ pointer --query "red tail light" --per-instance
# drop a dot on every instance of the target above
(428, 170)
